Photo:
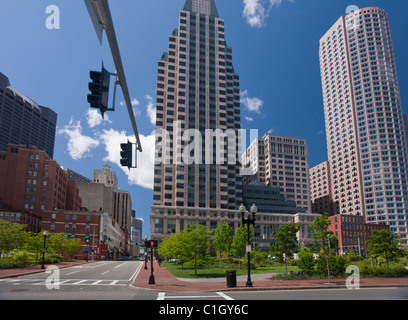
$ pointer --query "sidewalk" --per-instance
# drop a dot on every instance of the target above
(165, 281)
(16, 272)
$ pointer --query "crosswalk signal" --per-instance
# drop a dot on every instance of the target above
(99, 88)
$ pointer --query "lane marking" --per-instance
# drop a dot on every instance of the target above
(162, 296)
(134, 276)
(224, 296)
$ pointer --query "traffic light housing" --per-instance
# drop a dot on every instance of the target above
(151, 243)
(99, 88)
(126, 155)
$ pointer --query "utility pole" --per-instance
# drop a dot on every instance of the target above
(100, 14)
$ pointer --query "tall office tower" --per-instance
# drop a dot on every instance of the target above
(366, 143)
(280, 161)
(197, 94)
(22, 121)
(320, 190)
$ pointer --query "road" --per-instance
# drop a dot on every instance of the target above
(110, 280)
(102, 280)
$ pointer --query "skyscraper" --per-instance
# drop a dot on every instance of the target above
(366, 143)
(198, 108)
(280, 161)
(22, 121)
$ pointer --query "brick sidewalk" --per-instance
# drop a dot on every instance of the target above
(165, 281)
(16, 272)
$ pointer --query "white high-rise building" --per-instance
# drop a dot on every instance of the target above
(366, 144)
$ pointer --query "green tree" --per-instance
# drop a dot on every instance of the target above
(323, 238)
(384, 244)
(286, 241)
(306, 260)
(174, 247)
(34, 242)
(72, 246)
(191, 244)
(198, 242)
(223, 240)
(240, 240)
(11, 236)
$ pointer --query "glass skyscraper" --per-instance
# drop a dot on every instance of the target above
(24, 122)
(365, 131)
(197, 173)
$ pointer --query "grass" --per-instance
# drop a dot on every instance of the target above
(214, 272)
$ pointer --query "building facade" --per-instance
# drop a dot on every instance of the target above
(365, 132)
(31, 221)
(352, 233)
(320, 190)
(197, 121)
(102, 238)
(22, 121)
(283, 162)
(30, 180)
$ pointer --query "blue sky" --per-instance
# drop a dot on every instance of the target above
(275, 50)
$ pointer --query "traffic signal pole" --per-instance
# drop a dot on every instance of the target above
(151, 278)
(103, 14)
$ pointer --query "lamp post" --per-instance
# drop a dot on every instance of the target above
(43, 259)
(145, 252)
(248, 219)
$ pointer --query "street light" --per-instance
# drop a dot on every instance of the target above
(43, 259)
(145, 249)
(248, 219)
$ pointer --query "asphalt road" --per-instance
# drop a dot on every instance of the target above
(110, 280)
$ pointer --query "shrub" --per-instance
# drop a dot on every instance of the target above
(20, 258)
(369, 270)
(306, 261)
(337, 265)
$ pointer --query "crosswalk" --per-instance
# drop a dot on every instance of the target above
(64, 282)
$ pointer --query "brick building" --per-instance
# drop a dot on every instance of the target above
(30, 180)
(31, 221)
(352, 233)
(102, 237)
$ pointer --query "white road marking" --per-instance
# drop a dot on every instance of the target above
(162, 296)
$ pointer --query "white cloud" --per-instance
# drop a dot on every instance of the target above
(249, 119)
(151, 109)
(94, 118)
(134, 102)
(143, 174)
(257, 11)
(252, 104)
(79, 146)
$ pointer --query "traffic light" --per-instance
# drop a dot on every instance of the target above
(99, 88)
(151, 243)
(126, 154)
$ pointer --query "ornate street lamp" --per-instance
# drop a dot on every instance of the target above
(248, 219)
